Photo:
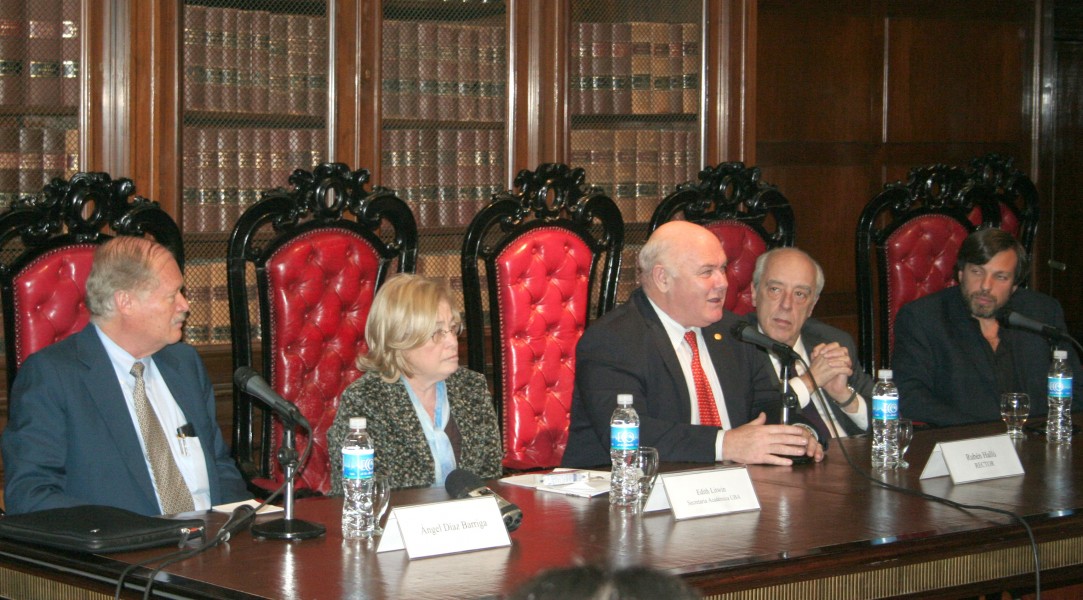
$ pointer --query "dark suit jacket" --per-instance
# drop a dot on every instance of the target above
(70, 439)
(940, 364)
(627, 352)
(815, 333)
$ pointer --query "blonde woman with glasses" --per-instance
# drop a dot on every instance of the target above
(427, 415)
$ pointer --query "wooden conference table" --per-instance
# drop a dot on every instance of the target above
(822, 531)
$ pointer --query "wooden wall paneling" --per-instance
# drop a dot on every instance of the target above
(537, 68)
(730, 81)
(358, 74)
(148, 149)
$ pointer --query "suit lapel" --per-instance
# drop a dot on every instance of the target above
(659, 342)
(104, 392)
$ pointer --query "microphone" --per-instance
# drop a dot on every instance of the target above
(461, 483)
(746, 332)
(1010, 318)
(254, 384)
(236, 522)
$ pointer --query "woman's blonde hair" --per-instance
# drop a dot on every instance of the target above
(403, 317)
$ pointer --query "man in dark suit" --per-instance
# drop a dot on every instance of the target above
(787, 283)
(84, 410)
(691, 410)
(953, 359)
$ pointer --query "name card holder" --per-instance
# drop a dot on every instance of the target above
(975, 459)
(445, 528)
(704, 493)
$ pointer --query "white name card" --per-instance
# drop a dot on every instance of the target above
(445, 528)
(707, 493)
(975, 459)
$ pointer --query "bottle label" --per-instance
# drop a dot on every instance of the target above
(358, 463)
(885, 408)
(1060, 387)
(624, 437)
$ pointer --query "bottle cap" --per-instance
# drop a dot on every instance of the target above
(1060, 355)
(358, 422)
(885, 373)
(624, 399)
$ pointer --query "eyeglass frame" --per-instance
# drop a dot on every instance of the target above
(439, 335)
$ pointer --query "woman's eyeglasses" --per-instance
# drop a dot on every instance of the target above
(456, 329)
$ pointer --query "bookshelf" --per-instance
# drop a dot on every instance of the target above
(39, 94)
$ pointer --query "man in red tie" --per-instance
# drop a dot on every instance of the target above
(701, 395)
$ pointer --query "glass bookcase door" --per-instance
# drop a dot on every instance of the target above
(443, 118)
(255, 106)
(39, 94)
(636, 105)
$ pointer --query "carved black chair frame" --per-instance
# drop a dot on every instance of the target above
(1012, 190)
(89, 208)
(331, 196)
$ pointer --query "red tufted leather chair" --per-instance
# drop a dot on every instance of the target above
(732, 201)
(1013, 202)
(47, 246)
(312, 271)
(539, 249)
(908, 238)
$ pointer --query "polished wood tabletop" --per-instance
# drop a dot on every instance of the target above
(822, 525)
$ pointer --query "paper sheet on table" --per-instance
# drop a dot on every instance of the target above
(595, 485)
(228, 508)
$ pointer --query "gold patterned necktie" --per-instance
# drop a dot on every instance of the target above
(172, 490)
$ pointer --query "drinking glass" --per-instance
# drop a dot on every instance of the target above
(1014, 409)
(906, 435)
(381, 496)
(648, 470)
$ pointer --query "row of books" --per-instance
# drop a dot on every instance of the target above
(226, 169)
(637, 167)
(39, 52)
(446, 175)
(635, 68)
(30, 157)
(445, 71)
(254, 61)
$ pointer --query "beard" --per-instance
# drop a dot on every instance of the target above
(987, 311)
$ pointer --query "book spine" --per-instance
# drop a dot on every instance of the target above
(52, 154)
(70, 27)
(317, 147)
(278, 80)
(229, 59)
(297, 64)
(667, 183)
(602, 160)
(259, 69)
(261, 164)
(412, 177)
(192, 178)
(391, 161)
(579, 78)
(317, 66)
(215, 58)
(197, 328)
(30, 180)
(446, 174)
(498, 41)
(297, 146)
(71, 152)
(44, 53)
(601, 69)
(242, 59)
(625, 170)
(12, 52)
(428, 175)
(195, 56)
(278, 143)
(207, 195)
(646, 176)
(427, 67)
(467, 81)
(641, 68)
(467, 152)
(9, 166)
(220, 329)
(247, 176)
(660, 68)
(226, 210)
(409, 65)
(690, 57)
(496, 166)
(622, 68)
(390, 89)
(676, 69)
(680, 157)
(447, 71)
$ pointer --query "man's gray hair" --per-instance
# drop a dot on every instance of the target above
(122, 263)
(761, 266)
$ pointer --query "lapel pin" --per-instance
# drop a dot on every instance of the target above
(718, 337)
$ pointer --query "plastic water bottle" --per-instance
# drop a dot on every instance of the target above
(358, 464)
(885, 422)
(1058, 425)
(624, 452)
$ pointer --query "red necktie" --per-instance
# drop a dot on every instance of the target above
(708, 410)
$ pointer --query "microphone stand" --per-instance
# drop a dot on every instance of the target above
(790, 407)
(288, 528)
